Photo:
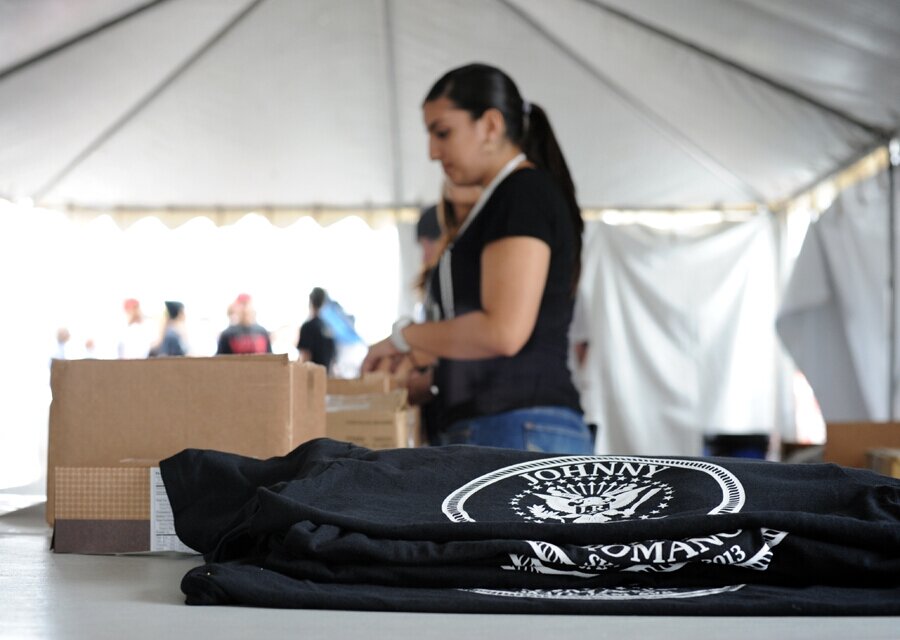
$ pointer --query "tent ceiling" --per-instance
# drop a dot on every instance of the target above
(279, 103)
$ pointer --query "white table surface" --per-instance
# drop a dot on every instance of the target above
(49, 595)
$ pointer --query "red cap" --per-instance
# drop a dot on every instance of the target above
(242, 298)
(130, 304)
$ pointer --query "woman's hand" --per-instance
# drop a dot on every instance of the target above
(382, 356)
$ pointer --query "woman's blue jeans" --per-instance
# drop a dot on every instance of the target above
(546, 429)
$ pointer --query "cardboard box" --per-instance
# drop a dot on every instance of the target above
(372, 420)
(105, 413)
(368, 383)
(885, 461)
(846, 443)
(375, 383)
(113, 510)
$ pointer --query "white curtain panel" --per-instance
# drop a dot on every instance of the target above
(834, 318)
(682, 340)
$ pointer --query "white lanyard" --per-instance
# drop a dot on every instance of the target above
(444, 272)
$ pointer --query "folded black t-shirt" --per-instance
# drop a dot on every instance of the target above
(484, 519)
(249, 585)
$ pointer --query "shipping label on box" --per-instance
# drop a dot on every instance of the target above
(113, 510)
(162, 520)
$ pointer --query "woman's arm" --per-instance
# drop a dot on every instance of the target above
(513, 275)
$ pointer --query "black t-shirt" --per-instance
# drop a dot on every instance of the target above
(315, 337)
(465, 528)
(526, 203)
(243, 339)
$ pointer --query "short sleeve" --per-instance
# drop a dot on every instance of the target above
(525, 204)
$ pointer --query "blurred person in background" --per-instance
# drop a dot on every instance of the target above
(428, 235)
(436, 227)
(63, 350)
(316, 341)
(233, 313)
(136, 338)
(245, 336)
(173, 340)
(65, 347)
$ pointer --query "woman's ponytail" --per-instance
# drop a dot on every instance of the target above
(540, 146)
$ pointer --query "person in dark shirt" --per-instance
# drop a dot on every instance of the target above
(428, 235)
(436, 224)
(505, 283)
(316, 343)
(173, 343)
(246, 336)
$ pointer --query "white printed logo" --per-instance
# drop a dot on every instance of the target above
(607, 489)
(612, 593)
(583, 489)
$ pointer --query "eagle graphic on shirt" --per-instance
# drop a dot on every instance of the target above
(569, 506)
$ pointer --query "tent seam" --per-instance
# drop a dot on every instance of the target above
(142, 104)
(79, 37)
(771, 82)
(700, 155)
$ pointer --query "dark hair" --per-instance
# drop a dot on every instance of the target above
(448, 226)
(478, 87)
(317, 297)
(173, 308)
(428, 225)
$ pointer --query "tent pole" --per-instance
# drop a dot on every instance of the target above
(894, 160)
(79, 37)
(394, 100)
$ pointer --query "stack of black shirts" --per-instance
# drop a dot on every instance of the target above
(475, 529)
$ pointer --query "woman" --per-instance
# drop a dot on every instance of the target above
(453, 207)
(504, 285)
(451, 210)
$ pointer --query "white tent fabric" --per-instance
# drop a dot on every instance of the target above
(681, 340)
(291, 105)
(834, 318)
(276, 103)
